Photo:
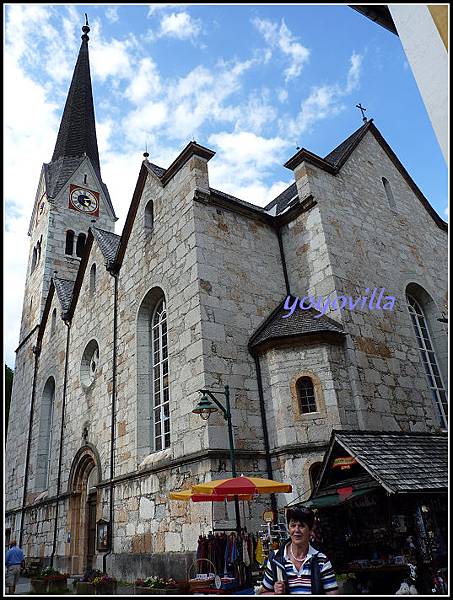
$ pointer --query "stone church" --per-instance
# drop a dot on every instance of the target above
(120, 332)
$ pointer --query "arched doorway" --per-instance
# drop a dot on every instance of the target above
(85, 474)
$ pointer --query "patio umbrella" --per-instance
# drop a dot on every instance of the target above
(187, 495)
(241, 485)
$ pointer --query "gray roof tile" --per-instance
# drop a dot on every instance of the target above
(64, 289)
(301, 322)
(108, 243)
(404, 462)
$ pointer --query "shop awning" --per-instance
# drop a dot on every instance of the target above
(399, 462)
(338, 497)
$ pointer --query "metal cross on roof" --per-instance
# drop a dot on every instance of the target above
(359, 106)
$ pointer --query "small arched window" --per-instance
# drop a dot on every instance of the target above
(80, 244)
(149, 216)
(389, 194)
(53, 323)
(69, 249)
(34, 259)
(306, 395)
(93, 280)
(429, 359)
(38, 250)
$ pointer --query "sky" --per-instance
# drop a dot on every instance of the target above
(251, 82)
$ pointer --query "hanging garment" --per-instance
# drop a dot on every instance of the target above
(245, 552)
(259, 552)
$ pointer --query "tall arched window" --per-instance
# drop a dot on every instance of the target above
(80, 244)
(93, 280)
(161, 398)
(149, 216)
(69, 248)
(389, 194)
(45, 436)
(306, 395)
(429, 359)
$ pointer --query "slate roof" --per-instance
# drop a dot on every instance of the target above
(159, 171)
(343, 150)
(401, 462)
(238, 200)
(283, 200)
(301, 322)
(77, 133)
(64, 289)
(108, 243)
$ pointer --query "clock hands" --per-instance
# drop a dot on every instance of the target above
(83, 200)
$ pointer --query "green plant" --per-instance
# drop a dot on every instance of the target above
(157, 582)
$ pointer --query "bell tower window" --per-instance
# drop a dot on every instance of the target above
(80, 244)
(69, 249)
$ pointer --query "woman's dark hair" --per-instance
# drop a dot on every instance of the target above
(301, 514)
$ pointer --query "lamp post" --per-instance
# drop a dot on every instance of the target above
(204, 408)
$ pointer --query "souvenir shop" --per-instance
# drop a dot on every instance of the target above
(235, 560)
(381, 500)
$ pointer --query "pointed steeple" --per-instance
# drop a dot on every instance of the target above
(77, 133)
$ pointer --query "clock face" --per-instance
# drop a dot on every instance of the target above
(84, 200)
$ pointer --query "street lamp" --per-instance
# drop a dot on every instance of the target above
(204, 408)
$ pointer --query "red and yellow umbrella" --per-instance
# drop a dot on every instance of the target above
(241, 485)
(187, 495)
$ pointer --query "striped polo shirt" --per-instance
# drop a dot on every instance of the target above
(300, 581)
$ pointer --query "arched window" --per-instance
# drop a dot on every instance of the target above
(306, 395)
(429, 359)
(389, 194)
(80, 244)
(69, 248)
(38, 250)
(93, 280)
(34, 259)
(45, 436)
(149, 216)
(53, 321)
(161, 398)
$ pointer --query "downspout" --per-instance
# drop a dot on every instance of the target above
(36, 352)
(60, 455)
(282, 256)
(114, 274)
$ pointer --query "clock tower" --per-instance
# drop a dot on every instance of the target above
(70, 195)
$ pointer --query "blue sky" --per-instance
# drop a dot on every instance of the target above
(250, 82)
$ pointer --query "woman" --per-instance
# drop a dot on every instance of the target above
(298, 568)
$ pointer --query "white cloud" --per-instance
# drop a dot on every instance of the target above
(154, 8)
(180, 26)
(446, 212)
(112, 14)
(282, 38)
(325, 100)
(146, 83)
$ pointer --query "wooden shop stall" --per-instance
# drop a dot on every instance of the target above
(381, 498)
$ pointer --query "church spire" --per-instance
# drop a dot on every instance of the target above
(77, 133)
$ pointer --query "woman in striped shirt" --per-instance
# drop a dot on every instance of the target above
(297, 568)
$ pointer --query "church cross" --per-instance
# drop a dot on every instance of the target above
(363, 111)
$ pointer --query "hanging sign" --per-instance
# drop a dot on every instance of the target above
(268, 516)
(343, 463)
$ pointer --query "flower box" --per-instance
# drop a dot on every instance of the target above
(156, 591)
(58, 585)
(38, 586)
(84, 588)
(106, 589)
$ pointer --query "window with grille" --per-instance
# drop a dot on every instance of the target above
(306, 395)
(161, 396)
(429, 359)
